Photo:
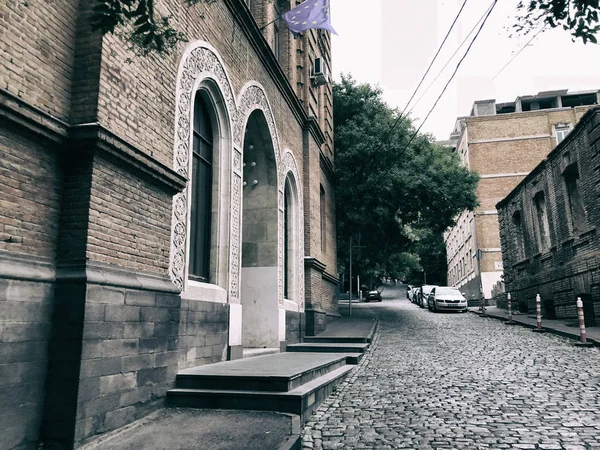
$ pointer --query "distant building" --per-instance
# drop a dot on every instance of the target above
(549, 228)
(502, 142)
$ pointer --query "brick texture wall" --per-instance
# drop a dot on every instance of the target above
(30, 179)
(569, 266)
(130, 220)
(36, 52)
(497, 147)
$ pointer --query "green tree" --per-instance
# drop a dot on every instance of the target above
(390, 195)
(578, 17)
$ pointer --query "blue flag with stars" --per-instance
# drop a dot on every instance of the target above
(307, 15)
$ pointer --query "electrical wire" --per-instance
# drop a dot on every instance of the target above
(452, 77)
(449, 60)
(399, 118)
(520, 50)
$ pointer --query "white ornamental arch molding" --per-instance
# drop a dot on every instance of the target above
(252, 97)
(289, 169)
(200, 63)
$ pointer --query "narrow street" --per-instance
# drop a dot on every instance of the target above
(435, 381)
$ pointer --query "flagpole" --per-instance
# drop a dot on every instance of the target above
(272, 21)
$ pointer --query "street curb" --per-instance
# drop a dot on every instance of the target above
(572, 336)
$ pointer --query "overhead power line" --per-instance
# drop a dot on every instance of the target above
(451, 77)
(520, 50)
(449, 59)
(399, 118)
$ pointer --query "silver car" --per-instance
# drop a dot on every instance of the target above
(423, 295)
(444, 298)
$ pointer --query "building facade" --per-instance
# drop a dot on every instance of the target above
(157, 213)
(502, 142)
(548, 229)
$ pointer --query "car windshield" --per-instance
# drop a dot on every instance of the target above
(447, 291)
(427, 289)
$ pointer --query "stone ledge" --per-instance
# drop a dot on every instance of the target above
(97, 273)
(18, 266)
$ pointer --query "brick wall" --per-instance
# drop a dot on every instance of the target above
(497, 147)
(36, 57)
(130, 220)
(568, 267)
(30, 178)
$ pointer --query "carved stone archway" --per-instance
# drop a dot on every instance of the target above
(200, 62)
(289, 168)
(252, 97)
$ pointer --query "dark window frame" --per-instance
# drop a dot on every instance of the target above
(201, 204)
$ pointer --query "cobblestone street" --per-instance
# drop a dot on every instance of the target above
(433, 381)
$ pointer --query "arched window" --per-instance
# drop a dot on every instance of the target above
(287, 248)
(201, 187)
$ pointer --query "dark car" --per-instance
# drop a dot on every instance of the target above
(373, 296)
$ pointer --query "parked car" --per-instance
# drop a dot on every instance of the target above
(373, 296)
(409, 292)
(425, 290)
(444, 298)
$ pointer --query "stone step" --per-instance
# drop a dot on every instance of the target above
(326, 347)
(338, 339)
(280, 372)
(302, 400)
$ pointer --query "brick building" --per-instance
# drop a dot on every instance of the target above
(155, 214)
(548, 228)
(502, 142)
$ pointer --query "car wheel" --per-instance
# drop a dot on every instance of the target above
(435, 309)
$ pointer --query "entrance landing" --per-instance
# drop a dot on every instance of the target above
(346, 330)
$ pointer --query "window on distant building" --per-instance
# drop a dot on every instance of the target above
(561, 132)
(201, 186)
(518, 229)
(543, 235)
(574, 202)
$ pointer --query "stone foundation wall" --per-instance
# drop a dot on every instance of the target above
(26, 297)
(295, 327)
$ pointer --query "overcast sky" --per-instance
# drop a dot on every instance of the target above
(391, 43)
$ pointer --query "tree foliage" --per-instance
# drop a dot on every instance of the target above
(579, 17)
(147, 31)
(390, 195)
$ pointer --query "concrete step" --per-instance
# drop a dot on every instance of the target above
(252, 352)
(302, 400)
(326, 347)
(338, 339)
(280, 372)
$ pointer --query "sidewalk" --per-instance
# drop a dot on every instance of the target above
(558, 327)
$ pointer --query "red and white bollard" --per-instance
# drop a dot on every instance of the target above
(582, 336)
(538, 311)
(509, 302)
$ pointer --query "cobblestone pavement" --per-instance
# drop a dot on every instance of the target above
(442, 381)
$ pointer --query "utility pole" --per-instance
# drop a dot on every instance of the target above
(350, 297)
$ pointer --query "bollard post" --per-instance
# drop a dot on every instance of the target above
(509, 301)
(582, 336)
(538, 312)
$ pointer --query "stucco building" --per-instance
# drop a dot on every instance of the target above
(548, 229)
(158, 213)
(502, 142)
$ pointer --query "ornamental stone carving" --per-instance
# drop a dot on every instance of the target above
(289, 168)
(251, 98)
(199, 62)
